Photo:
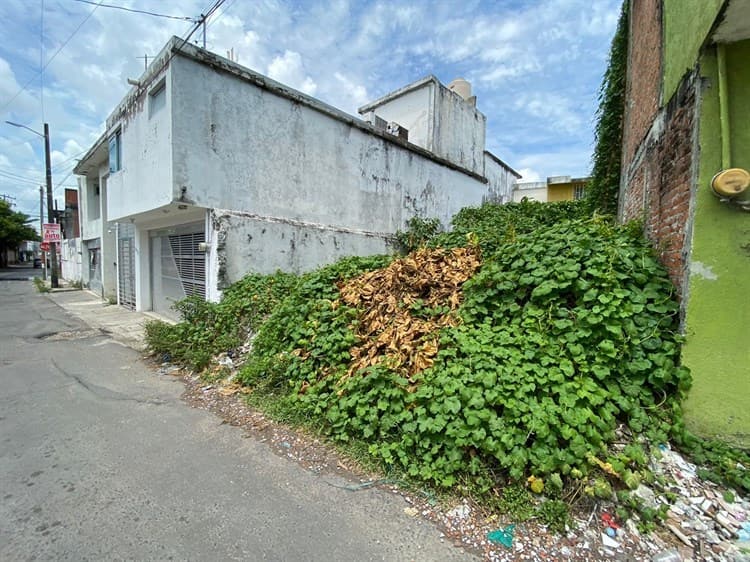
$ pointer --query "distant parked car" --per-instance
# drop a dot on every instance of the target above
(37, 262)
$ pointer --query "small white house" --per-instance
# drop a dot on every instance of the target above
(208, 171)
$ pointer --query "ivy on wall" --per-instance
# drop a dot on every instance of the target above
(604, 188)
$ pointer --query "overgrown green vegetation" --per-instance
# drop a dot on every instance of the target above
(563, 343)
(566, 333)
(40, 285)
(603, 190)
(417, 233)
(492, 224)
(209, 328)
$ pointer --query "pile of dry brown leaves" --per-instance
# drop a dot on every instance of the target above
(405, 304)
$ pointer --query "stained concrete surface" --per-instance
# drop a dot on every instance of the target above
(100, 460)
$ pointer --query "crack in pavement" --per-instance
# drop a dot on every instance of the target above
(107, 394)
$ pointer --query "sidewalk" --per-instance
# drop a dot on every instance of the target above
(125, 326)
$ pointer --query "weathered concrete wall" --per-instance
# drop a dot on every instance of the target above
(254, 151)
(500, 180)
(414, 110)
(438, 120)
(686, 25)
(247, 242)
(145, 181)
(717, 346)
(459, 130)
(70, 260)
(90, 202)
(643, 75)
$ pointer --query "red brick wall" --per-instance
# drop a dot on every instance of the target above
(657, 170)
(644, 74)
(658, 186)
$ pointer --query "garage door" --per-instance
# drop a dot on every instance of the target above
(178, 267)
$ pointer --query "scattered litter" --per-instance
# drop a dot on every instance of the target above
(609, 542)
(168, 369)
(225, 361)
(460, 512)
(502, 536)
(411, 512)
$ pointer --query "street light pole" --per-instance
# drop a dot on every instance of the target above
(50, 211)
(41, 228)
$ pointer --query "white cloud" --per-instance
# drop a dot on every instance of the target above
(556, 111)
(529, 174)
(288, 69)
(352, 95)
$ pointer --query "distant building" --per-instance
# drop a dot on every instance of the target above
(208, 171)
(556, 188)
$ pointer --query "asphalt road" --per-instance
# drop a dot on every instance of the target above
(100, 460)
(19, 273)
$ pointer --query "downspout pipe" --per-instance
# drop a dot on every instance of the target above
(726, 147)
(730, 182)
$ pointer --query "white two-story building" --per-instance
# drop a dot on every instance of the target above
(208, 171)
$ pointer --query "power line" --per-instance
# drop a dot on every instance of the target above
(69, 159)
(23, 88)
(41, 59)
(19, 179)
(146, 12)
(18, 175)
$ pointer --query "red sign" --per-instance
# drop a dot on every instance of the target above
(51, 232)
(44, 246)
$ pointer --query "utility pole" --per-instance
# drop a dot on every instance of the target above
(50, 212)
(145, 58)
(50, 209)
(41, 228)
(8, 199)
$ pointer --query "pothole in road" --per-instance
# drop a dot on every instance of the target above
(68, 335)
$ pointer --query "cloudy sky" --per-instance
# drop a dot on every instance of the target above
(535, 67)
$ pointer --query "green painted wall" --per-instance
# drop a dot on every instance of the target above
(686, 25)
(717, 347)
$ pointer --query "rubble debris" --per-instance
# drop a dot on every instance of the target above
(609, 542)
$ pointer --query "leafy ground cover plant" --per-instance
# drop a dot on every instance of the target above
(209, 328)
(566, 332)
(552, 360)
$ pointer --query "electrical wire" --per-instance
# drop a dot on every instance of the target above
(68, 159)
(15, 174)
(145, 12)
(23, 88)
(19, 180)
(41, 59)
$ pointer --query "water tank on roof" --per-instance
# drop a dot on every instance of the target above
(461, 87)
